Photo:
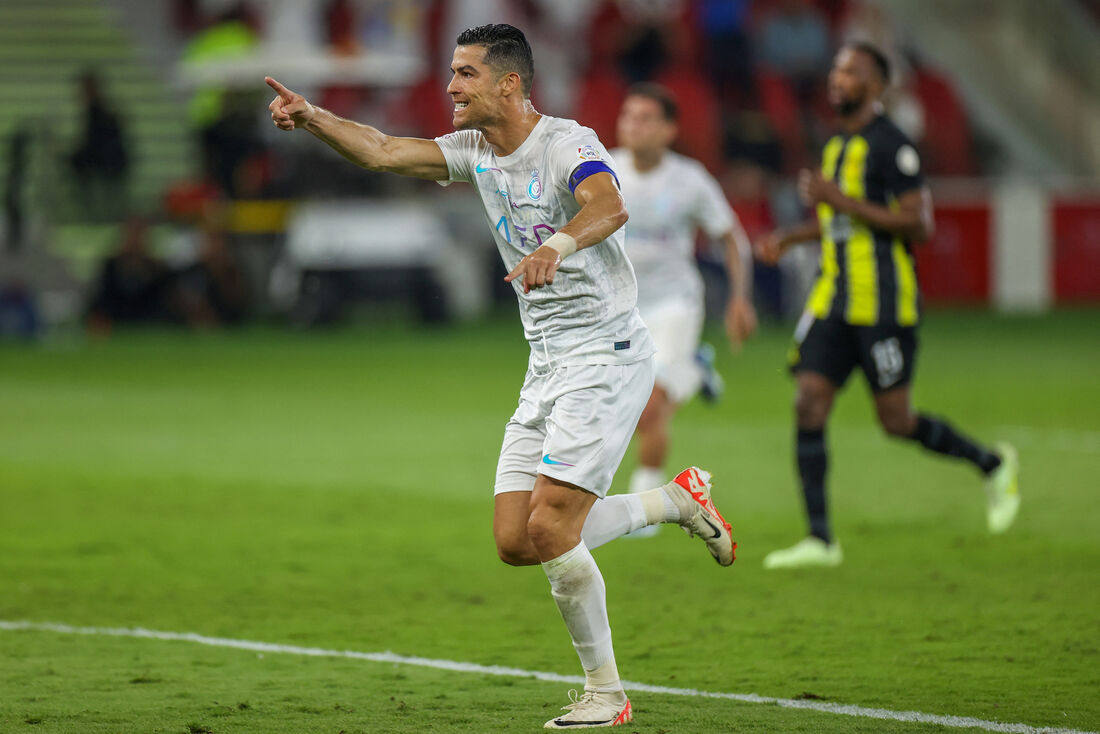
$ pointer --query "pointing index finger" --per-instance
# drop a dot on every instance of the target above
(515, 272)
(283, 91)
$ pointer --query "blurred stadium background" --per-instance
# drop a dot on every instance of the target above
(241, 463)
(145, 122)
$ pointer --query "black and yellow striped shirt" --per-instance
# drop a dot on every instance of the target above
(866, 275)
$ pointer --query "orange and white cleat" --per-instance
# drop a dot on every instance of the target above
(690, 492)
(593, 709)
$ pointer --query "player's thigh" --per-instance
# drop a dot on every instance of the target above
(658, 411)
(594, 414)
(827, 347)
(887, 355)
(676, 326)
(558, 512)
(524, 436)
(511, 511)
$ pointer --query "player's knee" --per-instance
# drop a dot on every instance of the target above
(538, 530)
(515, 549)
(543, 527)
(515, 555)
(811, 408)
(897, 423)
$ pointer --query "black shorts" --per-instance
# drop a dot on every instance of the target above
(886, 353)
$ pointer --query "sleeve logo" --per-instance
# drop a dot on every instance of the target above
(588, 153)
(908, 161)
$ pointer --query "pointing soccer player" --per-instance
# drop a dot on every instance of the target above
(552, 202)
(670, 198)
(872, 206)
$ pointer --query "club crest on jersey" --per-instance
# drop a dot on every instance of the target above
(588, 153)
(534, 189)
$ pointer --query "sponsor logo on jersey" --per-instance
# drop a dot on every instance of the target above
(482, 169)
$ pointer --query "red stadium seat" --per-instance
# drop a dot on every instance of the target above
(700, 128)
(946, 148)
(601, 95)
(780, 105)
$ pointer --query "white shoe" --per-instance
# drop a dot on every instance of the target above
(690, 492)
(811, 551)
(592, 709)
(1003, 491)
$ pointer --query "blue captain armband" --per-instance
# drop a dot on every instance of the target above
(586, 169)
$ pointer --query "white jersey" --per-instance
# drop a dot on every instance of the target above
(667, 205)
(588, 314)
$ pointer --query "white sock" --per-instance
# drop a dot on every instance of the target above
(645, 477)
(612, 517)
(578, 589)
(647, 482)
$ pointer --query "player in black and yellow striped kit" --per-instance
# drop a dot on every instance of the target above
(872, 205)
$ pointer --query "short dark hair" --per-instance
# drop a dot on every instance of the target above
(878, 58)
(506, 50)
(660, 94)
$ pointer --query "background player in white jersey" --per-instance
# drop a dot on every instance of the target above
(556, 214)
(670, 198)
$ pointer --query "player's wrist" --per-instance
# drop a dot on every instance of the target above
(562, 243)
(311, 117)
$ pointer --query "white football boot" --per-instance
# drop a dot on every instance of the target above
(690, 492)
(811, 551)
(1003, 491)
(593, 709)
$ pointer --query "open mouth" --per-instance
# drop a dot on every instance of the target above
(461, 105)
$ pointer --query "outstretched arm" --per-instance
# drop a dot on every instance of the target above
(602, 212)
(775, 244)
(363, 145)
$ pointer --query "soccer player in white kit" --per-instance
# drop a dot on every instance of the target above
(553, 205)
(670, 198)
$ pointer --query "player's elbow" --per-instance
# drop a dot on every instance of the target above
(928, 229)
(380, 158)
(922, 232)
(379, 165)
(619, 216)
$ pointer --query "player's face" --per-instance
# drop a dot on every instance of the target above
(642, 126)
(851, 81)
(473, 89)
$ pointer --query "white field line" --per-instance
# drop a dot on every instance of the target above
(1057, 439)
(962, 722)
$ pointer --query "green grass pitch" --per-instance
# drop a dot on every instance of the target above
(333, 490)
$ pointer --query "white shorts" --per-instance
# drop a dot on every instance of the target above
(676, 327)
(573, 424)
